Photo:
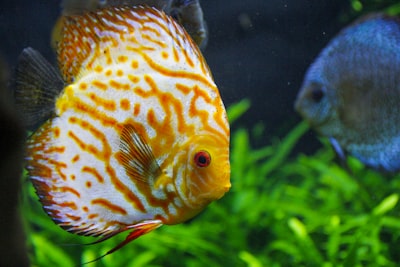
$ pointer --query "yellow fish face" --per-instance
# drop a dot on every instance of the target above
(207, 174)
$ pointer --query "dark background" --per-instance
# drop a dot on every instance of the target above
(257, 49)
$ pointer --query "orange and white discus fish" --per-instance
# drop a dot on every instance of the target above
(136, 134)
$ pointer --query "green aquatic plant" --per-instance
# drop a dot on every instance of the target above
(284, 209)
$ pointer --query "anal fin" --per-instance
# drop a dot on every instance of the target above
(341, 154)
(139, 229)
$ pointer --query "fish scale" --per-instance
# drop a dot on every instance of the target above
(140, 104)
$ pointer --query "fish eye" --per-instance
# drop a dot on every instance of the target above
(317, 94)
(202, 159)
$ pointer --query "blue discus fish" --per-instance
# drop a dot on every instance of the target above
(351, 93)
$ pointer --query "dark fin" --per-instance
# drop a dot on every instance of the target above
(139, 229)
(76, 7)
(193, 21)
(137, 157)
(190, 15)
(37, 84)
(341, 154)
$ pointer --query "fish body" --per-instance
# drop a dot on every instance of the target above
(138, 136)
(351, 92)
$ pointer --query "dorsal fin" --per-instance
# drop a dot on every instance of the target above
(99, 38)
(37, 84)
(89, 37)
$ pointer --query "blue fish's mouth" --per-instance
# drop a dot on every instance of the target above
(316, 115)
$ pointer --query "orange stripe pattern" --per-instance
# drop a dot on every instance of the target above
(130, 66)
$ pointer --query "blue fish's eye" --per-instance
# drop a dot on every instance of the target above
(317, 94)
(202, 159)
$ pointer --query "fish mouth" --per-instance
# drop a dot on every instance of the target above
(300, 106)
(224, 190)
(307, 115)
(226, 187)
(219, 187)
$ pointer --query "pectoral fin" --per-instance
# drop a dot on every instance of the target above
(137, 157)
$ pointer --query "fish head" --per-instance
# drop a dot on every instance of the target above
(315, 104)
(207, 171)
(325, 91)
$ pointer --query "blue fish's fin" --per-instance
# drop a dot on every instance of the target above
(37, 84)
(139, 229)
(341, 154)
(338, 149)
(137, 157)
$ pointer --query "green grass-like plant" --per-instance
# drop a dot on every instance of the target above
(282, 210)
